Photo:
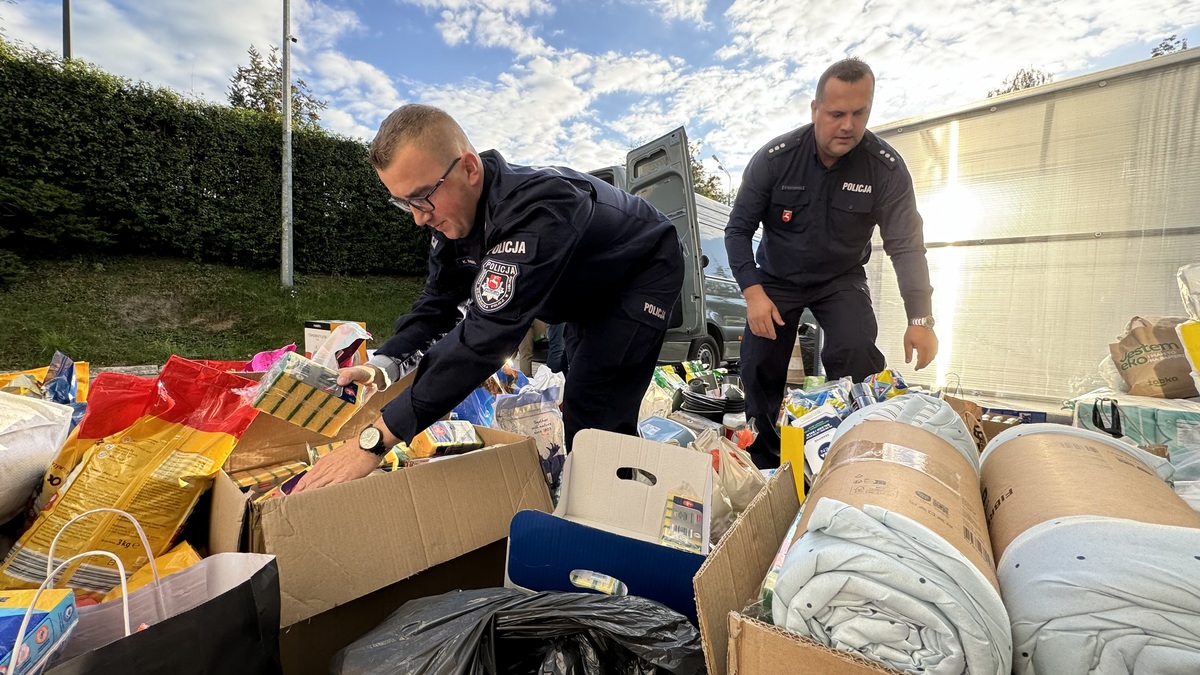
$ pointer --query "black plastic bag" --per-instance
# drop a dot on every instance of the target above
(502, 631)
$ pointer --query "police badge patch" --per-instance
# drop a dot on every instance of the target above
(494, 286)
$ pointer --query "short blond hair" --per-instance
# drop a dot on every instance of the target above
(433, 128)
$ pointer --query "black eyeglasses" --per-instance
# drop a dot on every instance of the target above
(422, 203)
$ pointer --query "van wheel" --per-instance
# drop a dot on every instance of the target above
(705, 351)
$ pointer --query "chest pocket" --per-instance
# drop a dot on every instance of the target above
(850, 218)
(789, 207)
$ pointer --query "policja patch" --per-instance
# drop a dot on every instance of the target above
(494, 286)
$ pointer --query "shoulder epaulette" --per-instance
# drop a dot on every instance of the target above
(785, 143)
(882, 152)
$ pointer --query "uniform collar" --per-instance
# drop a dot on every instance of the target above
(492, 163)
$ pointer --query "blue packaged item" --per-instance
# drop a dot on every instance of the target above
(50, 624)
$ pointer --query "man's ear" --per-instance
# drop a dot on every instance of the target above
(474, 168)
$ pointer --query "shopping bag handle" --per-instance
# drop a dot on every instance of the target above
(48, 583)
(162, 603)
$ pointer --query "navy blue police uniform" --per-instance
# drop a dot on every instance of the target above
(817, 224)
(553, 244)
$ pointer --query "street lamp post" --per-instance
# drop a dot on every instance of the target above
(729, 194)
(285, 253)
(66, 29)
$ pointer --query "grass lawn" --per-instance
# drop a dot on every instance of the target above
(140, 310)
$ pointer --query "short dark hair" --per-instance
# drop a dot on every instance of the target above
(433, 127)
(849, 70)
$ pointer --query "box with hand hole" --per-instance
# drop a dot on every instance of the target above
(630, 509)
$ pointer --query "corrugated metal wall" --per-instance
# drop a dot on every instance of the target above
(1050, 221)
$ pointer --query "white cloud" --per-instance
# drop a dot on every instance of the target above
(681, 10)
(939, 53)
(587, 108)
(489, 23)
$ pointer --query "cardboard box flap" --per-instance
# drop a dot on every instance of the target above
(227, 516)
(623, 483)
(758, 650)
(345, 541)
(734, 571)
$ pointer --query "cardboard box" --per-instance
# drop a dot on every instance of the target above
(737, 643)
(610, 520)
(345, 541)
(315, 333)
(52, 620)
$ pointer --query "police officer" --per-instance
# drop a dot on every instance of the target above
(514, 243)
(818, 192)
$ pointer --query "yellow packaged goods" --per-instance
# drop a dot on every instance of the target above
(177, 559)
(447, 437)
(300, 391)
(156, 470)
(117, 401)
(257, 481)
(392, 459)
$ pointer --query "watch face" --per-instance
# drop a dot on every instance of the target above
(370, 438)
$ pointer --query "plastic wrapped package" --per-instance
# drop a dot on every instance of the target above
(534, 411)
(156, 470)
(508, 631)
(117, 401)
(306, 393)
(31, 431)
(1189, 289)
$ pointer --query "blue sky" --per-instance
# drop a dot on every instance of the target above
(580, 82)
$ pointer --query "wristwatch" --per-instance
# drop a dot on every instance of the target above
(371, 440)
(924, 322)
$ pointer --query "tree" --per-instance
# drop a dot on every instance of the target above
(1023, 79)
(1168, 46)
(703, 182)
(258, 86)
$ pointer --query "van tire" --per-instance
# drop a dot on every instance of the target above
(706, 351)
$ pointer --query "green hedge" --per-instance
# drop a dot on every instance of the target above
(90, 162)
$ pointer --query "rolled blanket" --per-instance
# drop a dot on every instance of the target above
(1099, 559)
(892, 559)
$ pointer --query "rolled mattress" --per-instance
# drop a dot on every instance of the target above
(1099, 559)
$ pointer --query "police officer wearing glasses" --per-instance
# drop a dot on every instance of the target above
(818, 192)
(514, 243)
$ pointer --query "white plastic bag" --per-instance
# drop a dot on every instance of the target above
(31, 433)
(655, 403)
(736, 481)
(339, 343)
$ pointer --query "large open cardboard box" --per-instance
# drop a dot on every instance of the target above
(729, 581)
(359, 539)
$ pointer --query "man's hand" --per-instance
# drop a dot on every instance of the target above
(344, 463)
(761, 313)
(365, 376)
(922, 339)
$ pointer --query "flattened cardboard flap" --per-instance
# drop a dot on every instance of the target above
(732, 574)
(622, 484)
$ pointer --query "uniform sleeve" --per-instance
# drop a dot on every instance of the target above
(542, 225)
(749, 209)
(435, 310)
(900, 226)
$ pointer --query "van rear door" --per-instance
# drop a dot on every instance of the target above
(660, 172)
